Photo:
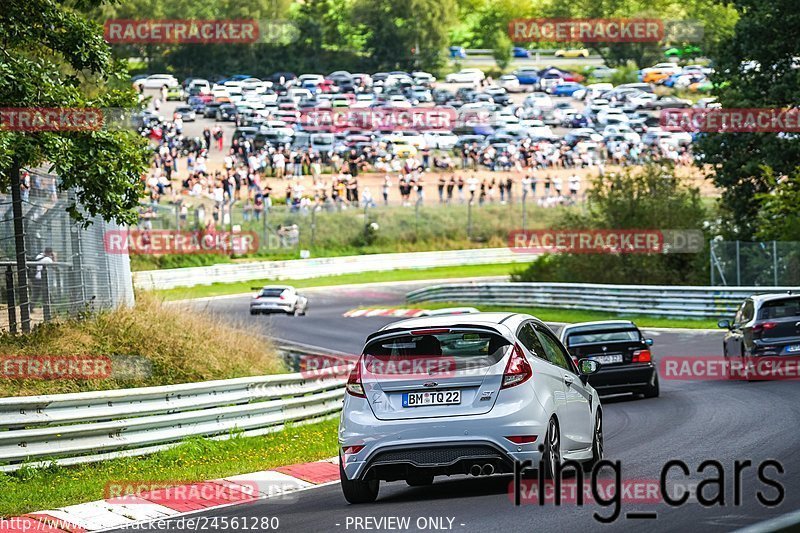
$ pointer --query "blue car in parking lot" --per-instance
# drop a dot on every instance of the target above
(527, 76)
(566, 88)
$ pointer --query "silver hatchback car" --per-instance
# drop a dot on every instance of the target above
(470, 394)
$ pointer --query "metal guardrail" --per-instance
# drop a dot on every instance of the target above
(659, 300)
(324, 266)
(93, 426)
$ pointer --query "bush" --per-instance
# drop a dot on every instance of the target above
(653, 198)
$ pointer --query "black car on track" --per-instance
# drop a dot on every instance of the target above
(764, 325)
(626, 363)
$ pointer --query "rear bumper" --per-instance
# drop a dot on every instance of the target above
(399, 449)
(626, 378)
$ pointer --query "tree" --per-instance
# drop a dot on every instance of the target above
(52, 57)
(754, 69)
(409, 34)
(651, 198)
(501, 50)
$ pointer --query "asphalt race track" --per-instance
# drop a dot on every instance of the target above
(692, 421)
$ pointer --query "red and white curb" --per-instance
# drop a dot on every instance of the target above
(410, 313)
(277, 484)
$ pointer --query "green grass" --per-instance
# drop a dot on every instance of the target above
(399, 229)
(577, 315)
(410, 274)
(194, 460)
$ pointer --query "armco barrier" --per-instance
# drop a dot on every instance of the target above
(325, 266)
(659, 300)
(92, 426)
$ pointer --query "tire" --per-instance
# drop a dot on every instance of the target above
(597, 443)
(253, 312)
(358, 491)
(552, 449)
(652, 390)
(420, 481)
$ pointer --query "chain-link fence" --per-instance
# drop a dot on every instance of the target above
(337, 227)
(68, 270)
(739, 263)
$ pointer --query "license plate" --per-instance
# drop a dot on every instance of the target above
(607, 359)
(440, 397)
(795, 348)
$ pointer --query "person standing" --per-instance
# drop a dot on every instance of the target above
(450, 186)
(526, 184)
(387, 184)
(207, 138)
(440, 186)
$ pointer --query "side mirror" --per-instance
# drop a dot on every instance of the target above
(648, 342)
(724, 324)
(588, 366)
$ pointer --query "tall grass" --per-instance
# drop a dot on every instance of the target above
(171, 345)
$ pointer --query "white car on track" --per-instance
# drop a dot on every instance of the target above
(471, 394)
(278, 299)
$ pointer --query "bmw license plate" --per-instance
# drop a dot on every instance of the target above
(794, 348)
(439, 397)
(607, 359)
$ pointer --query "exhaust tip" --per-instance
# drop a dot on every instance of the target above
(475, 470)
(488, 469)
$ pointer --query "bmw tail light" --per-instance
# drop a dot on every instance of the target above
(518, 370)
(642, 356)
(354, 386)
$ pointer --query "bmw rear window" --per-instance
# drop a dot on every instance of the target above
(596, 337)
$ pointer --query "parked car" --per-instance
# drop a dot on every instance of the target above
(509, 393)
(186, 113)
(622, 351)
(467, 75)
(157, 81)
(567, 88)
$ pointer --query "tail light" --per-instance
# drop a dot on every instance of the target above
(518, 370)
(759, 328)
(350, 450)
(642, 356)
(522, 439)
(354, 386)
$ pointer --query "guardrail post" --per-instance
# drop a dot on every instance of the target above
(46, 295)
(775, 262)
(12, 305)
(738, 267)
